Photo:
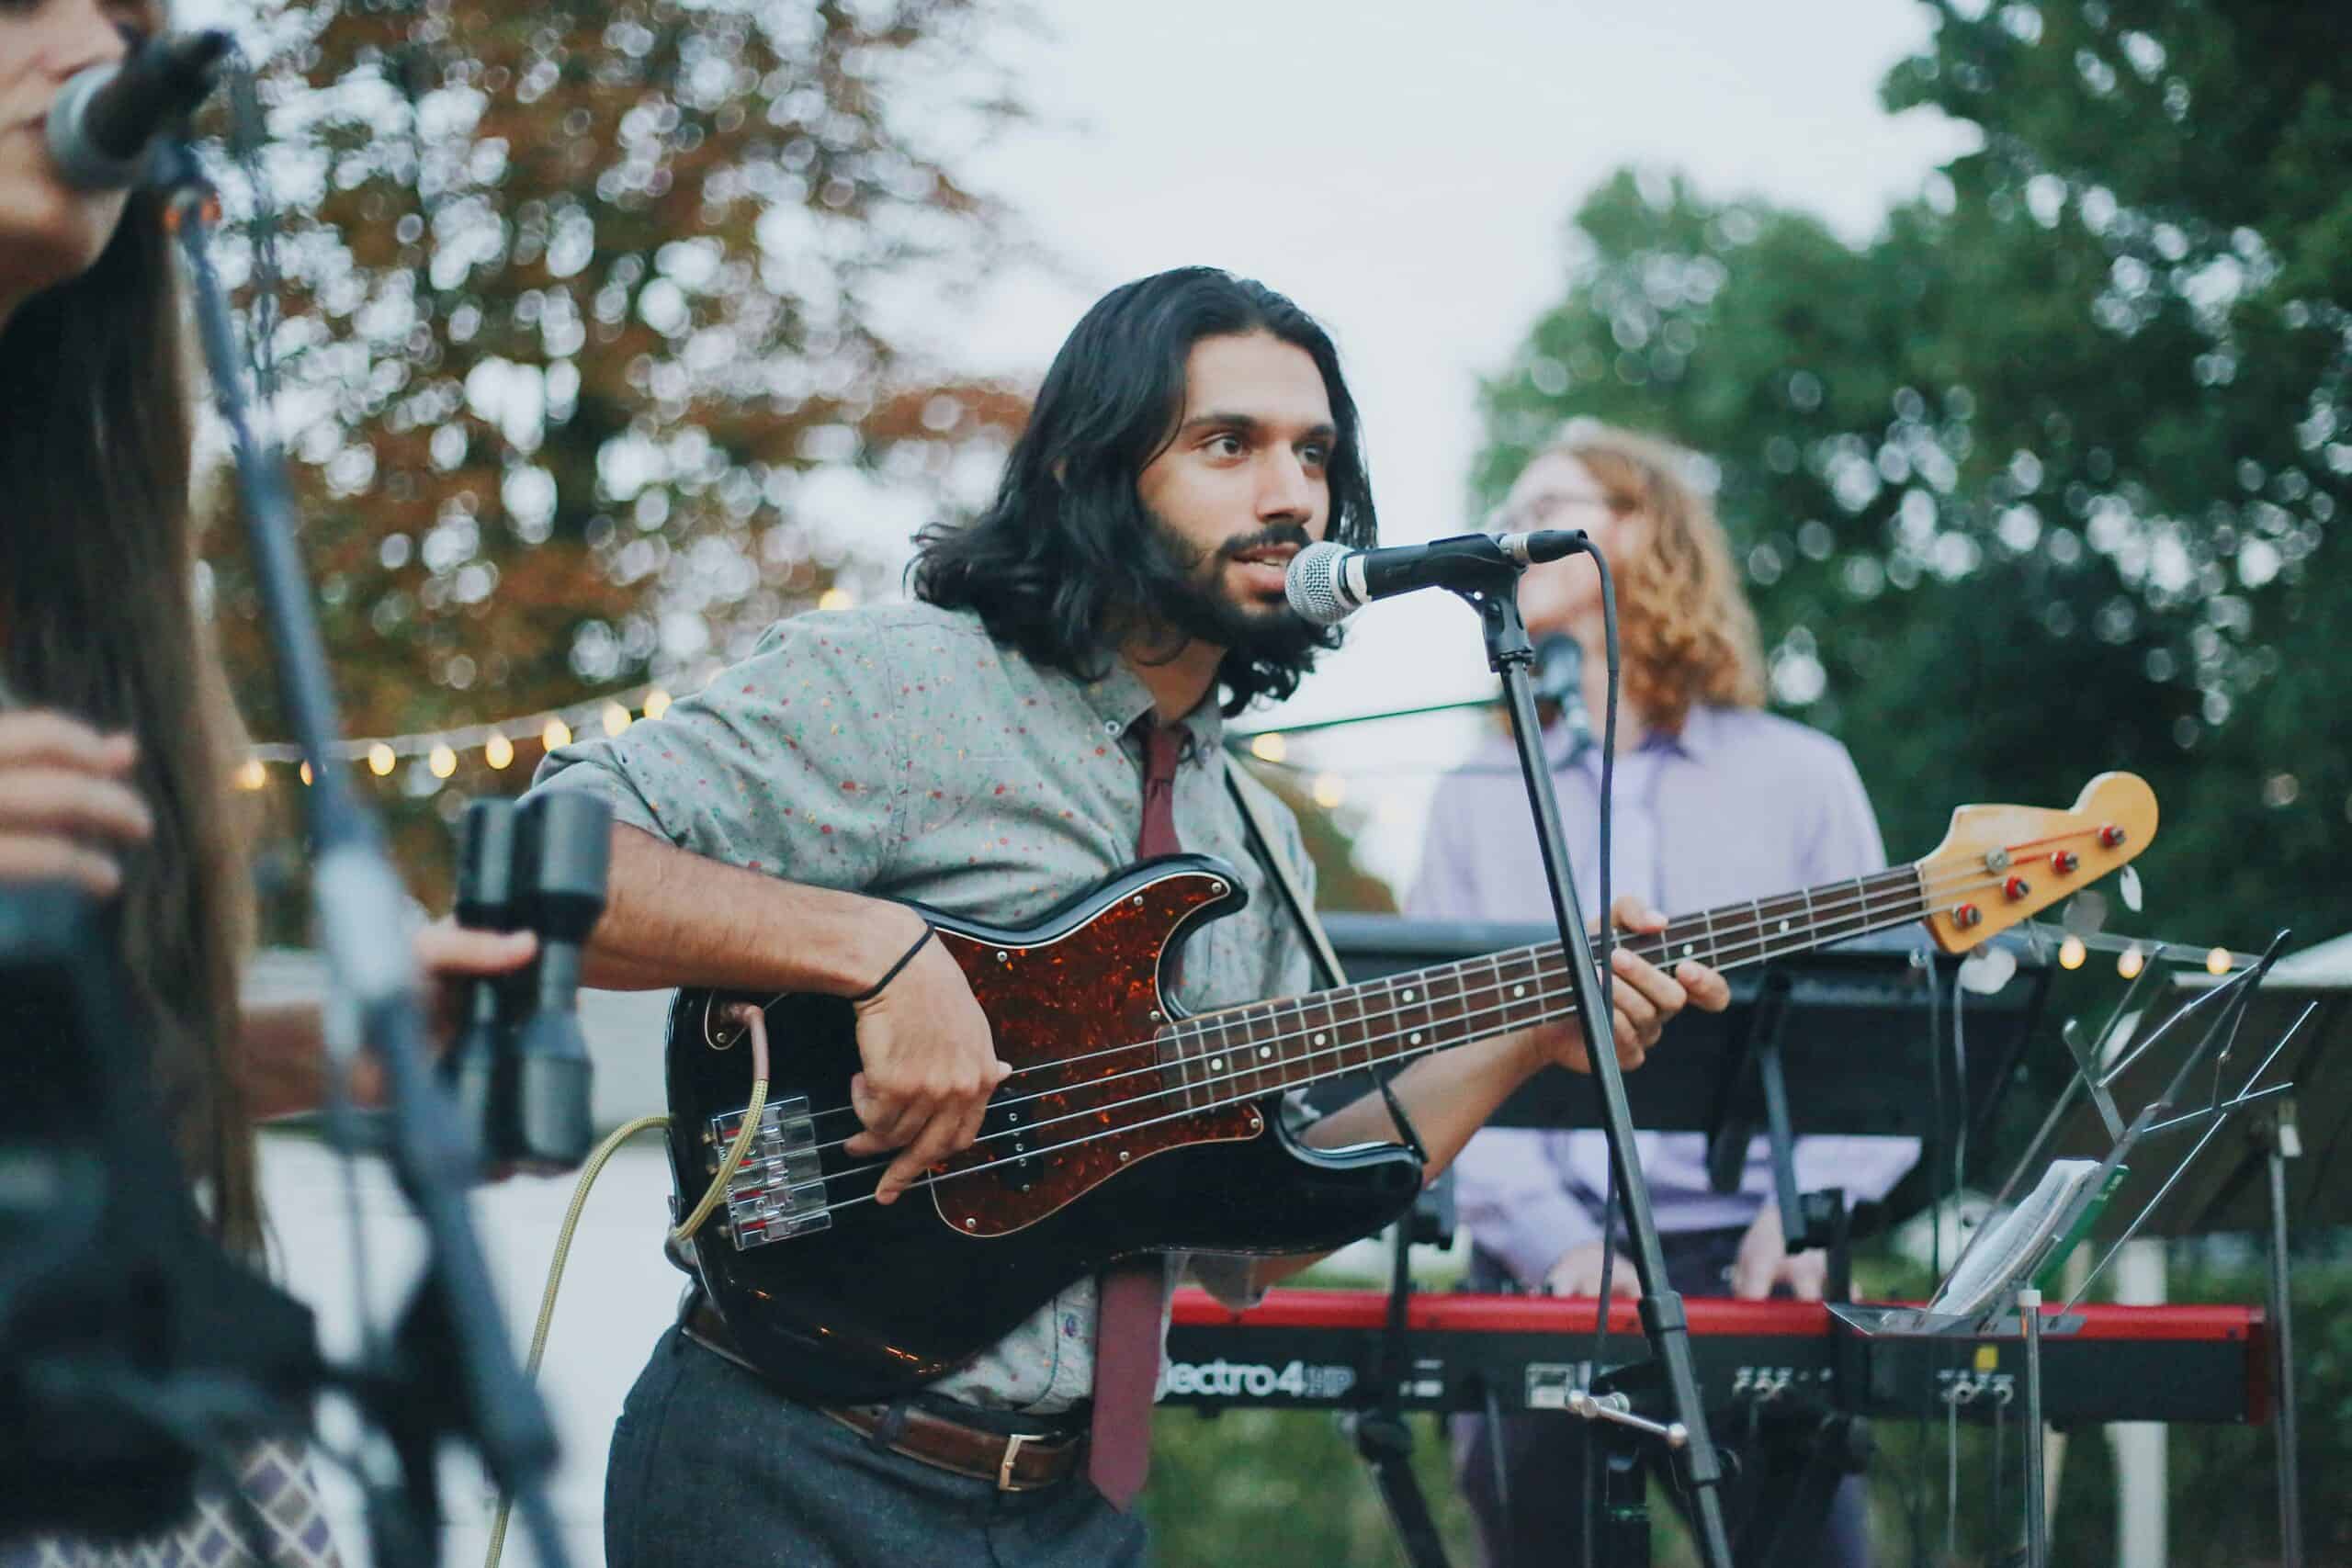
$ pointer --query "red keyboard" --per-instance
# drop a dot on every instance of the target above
(1320, 1349)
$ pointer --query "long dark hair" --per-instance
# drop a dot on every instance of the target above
(1063, 557)
(98, 619)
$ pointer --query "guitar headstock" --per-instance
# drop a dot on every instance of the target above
(1998, 864)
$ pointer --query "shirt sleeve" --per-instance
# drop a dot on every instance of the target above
(785, 763)
(1846, 842)
(1517, 1203)
(1442, 886)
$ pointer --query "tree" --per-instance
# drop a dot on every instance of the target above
(594, 359)
(2015, 501)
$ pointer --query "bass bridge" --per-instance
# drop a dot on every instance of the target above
(779, 1190)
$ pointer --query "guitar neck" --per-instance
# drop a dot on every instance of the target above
(1270, 1047)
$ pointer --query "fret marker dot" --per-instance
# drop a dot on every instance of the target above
(1408, 996)
(1688, 948)
(1784, 925)
(1319, 1040)
(1215, 1063)
(1416, 1038)
(1264, 1052)
(1519, 990)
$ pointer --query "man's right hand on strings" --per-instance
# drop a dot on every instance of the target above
(931, 1061)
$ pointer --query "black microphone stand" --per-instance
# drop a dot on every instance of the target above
(451, 1369)
(1492, 590)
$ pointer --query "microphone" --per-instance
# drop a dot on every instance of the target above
(1559, 681)
(1328, 583)
(101, 125)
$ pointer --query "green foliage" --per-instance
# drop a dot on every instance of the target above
(2042, 479)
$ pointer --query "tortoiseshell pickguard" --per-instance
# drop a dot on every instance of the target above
(1079, 1020)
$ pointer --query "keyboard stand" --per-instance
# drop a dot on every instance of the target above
(1379, 1430)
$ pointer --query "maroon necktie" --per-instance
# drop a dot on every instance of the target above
(1127, 1314)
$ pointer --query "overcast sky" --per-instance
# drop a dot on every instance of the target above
(1405, 172)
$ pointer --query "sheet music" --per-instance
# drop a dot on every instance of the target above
(2018, 1240)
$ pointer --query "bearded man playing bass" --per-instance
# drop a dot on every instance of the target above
(1049, 710)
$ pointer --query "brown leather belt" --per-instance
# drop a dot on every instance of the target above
(1014, 1461)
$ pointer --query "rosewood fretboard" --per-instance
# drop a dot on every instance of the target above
(1242, 1052)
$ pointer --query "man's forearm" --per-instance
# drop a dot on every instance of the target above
(1447, 1095)
(674, 918)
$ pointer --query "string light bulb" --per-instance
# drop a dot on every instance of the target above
(1329, 791)
(305, 771)
(441, 760)
(2131, 962)
(380, 759)
(836, 599)
(497, 751)
(1270, 746)
(2218, 960)
(556, 733)
(657, 702)
(250, 774)
(616, 719)
(2071, 953)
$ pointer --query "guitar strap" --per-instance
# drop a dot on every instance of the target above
(1319, 943)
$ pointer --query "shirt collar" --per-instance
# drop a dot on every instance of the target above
(1120, 698)
(1700, 730)
(1699, 733)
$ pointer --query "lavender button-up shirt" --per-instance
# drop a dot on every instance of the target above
(1738, 806)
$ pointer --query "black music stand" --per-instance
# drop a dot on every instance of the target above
(2292, 1028)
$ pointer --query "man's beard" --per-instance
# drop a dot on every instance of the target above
(1186, 601)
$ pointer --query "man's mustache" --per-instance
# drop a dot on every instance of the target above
(1266, 538)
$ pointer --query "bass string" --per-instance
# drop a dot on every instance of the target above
(1549, 963)
(1244, 1097)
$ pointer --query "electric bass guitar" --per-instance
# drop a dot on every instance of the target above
(1128, 1126)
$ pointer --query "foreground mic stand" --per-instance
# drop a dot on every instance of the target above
(453, 1339)
(1493, 590)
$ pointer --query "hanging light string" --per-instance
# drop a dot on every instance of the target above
(442, 749)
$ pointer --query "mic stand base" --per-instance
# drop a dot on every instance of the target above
(1512, 657)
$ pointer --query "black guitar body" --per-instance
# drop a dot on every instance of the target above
(1096, 1148)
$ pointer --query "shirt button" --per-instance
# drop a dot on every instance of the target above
(1111, 726)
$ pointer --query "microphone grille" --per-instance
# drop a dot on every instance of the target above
(1312, 584)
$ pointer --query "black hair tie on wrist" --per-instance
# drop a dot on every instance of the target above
(929, 930)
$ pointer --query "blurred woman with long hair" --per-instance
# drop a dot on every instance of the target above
(117, 732)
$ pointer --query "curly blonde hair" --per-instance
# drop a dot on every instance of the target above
(1685, 630)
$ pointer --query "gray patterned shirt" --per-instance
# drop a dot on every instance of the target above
(900, 751)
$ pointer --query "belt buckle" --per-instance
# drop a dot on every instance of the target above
(1011, 1454)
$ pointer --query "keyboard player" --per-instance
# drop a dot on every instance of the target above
(1715, 801)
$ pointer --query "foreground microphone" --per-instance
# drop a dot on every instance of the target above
(100, 126)
(1328, 582)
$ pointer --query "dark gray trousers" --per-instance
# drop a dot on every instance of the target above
(709, 1465)
(1544, 1454)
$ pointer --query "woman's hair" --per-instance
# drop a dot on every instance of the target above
(98, 619)
(1065, 560)
(1686, 629)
